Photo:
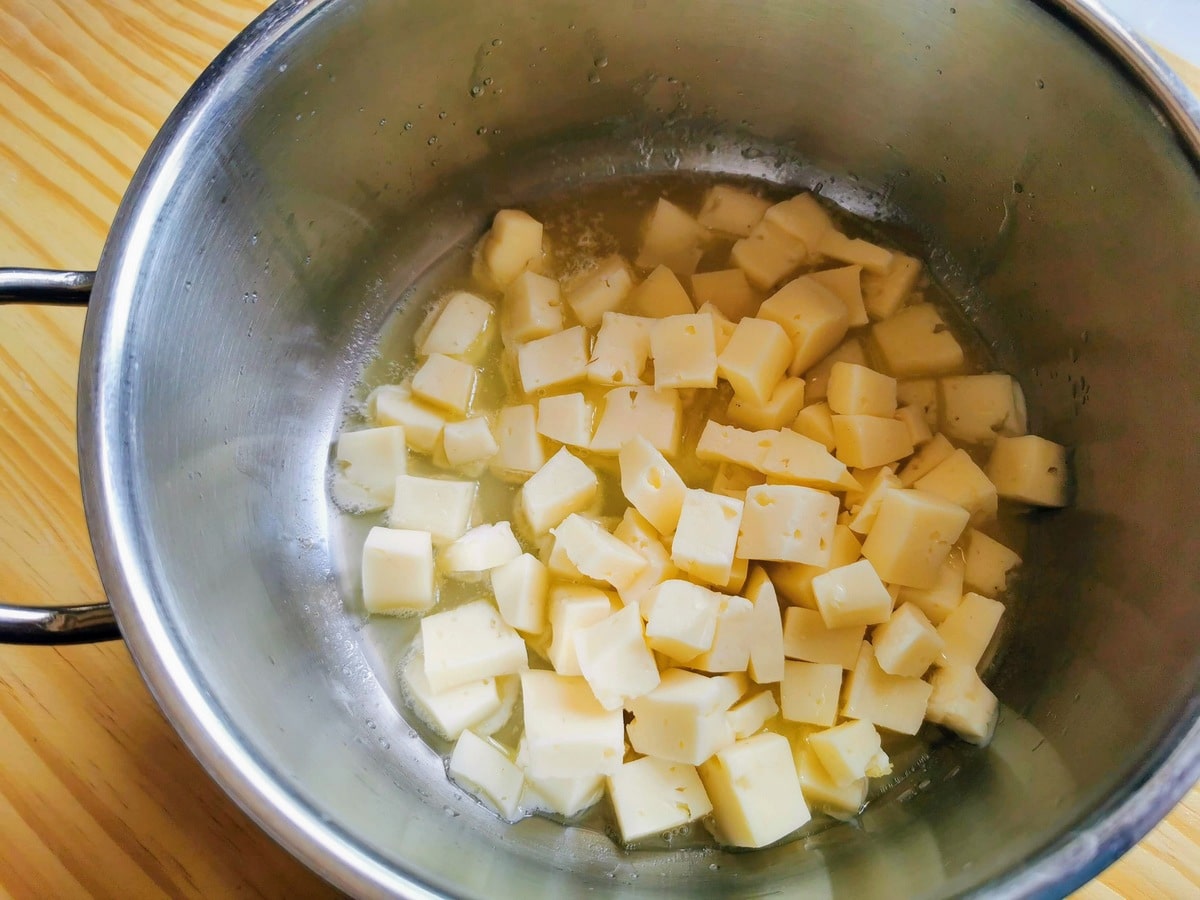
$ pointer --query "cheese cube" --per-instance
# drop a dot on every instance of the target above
(921, 393)
(513, 245)
(566, 418)
(809, 692)
(1029, 469)
(804, 218)
(660, 295)
(755, 791)
(912, 537)
(765, 629)
(885, 292)
(727, 291)
(855, 251)
(554, 360)
(483, 770)
(813, 317)
(650, 484)
(787, 523)
(988, 563)
(437, 505)
(521, 587)
(869, 441)
(887, 701)
(768, 255)
(731, 210)
(596, 553)
(781, 409)
(943, 597)
(368, 462)
(725, 443)
(684, 351)
(555, 558)
(733, 481)
(868, 509)
(794, 580)
(960, 481)
(461, 328)
(855, 390)
(568, 733)
(722, 327)
(650, 796)
(755, 359)
(916, 341)
(452, 711)
(621, 349)
(925, 460)
(846, 283)
(792, 457)
(806, 637)
(655, 415)
(906, 644)
(394, 404)
(637, 533)
(532, 308)
(962, 702)
(820, 790)
(707, 535)
(733, 638)
(682, 619)
(851, 596)
(816, 379)
(521, 450)
(914, 420)
(397, 571)
(968, 630)
(671, 238)
(614, 659)
(468, 442)
(482, 548)
(599, 290)
(572, 608)
(747, 717)
(850, 751)
(683, 719)
(468, 643)
(565, 796)
(976, 408)
(564, 485)
(815, 422)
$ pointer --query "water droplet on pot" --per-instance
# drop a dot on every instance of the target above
(442, 114)
(476, 90)
(600, 62)
(593, 77)
(432, 140)
(1018, 187)
(1041, 84)
(497, 42)
(408, 126)
(382, 122)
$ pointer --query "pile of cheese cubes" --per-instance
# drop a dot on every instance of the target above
(804, 568)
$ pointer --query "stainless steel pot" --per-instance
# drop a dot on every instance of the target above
(339, 147)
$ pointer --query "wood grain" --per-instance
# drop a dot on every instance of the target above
(98, 797)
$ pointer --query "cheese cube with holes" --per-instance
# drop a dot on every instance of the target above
(394, 404)
(938, 601)
(1029, 469)
(513, 245)
(846, 283)
(988, 564)
(599, 290)
(907, 643)
(851, 596)
(650, 796)
(728, 291)
(445, 382)
(813, 317)
(452, 711)
(888, 701)
(532, 308)
(806, 637)
(780, 410)
(671, 238)
(437, 505)
(596, 553)
(912, 537)
(792, 457)
(566, 418)
(565, 796)
(960, 481)
(707, 535)
(788, 523)
(461, 328)
(397, 571)
(573, 607)
(766, 629)
(614, 659)
(468, 643)
(368, 462)
(731, 210)
(629, 411)
(856, 251)
(794, 580)
(634, 531)
(925, 460)
(815, 422)
(682, 619)
(521, 587)
(803, 218)
(650, 484)
(822, 792)
(976, 408)
(520, 449)
(481, 549)
(684, 351)
(755, 791)
(621, 350)
(728, 444)
(660, 295)
(968, 630)
(885, 292)
(485, 771)
(748, 716)
(755, 359)
(816, 379)
(962, 702)
(568, 734)
(469, 441)
(564, 485)
(809, 692)
(722, 327)
(855, 390)
(917, 341)
(733, 638)
(850, 751)
(683, 719)
(869, 441)
(554, 360)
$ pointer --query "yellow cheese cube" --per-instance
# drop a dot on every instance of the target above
(568, 733)
(627, 412)
(755, 359)
(513, 245)
(962, 702)
(554, 360)
(621, 350)
(809, 692)
(596, 553)
(722, 327)
(614, 658)
(852, 595)
(806, 637)
(766, 629)
(368, 462)
(755, 791)
(976, 408)
(732, 639)
(788, 523)
(855, 251)
(768, 255)
(728, 291)
(650, 484)
(938, 601)
(660, 295)
(988, 563)
(651, 796)
(733, 480)
(532, 308)
(483, 770)
(521, 450)
(469, 441)
(452, 711)
(850, 751)
(855, 390)
(839, 801)
(573, 607)
(815, 422)
(907, 643)
(682, 720)
(461, 327)
(565, 796)
(671, 238)
(794, 580)
(480, 549)
(914, 420)
(791, 457)
(846, 283)
(394, 404)
(916, 341)
(748, 716)
(731, 210)
(397, 571)
(960, 481)
(884, 293)
(887, 701)
(968, 630)
(599, 290)
(737, 577)
(566, 418)
(521, 587)
(869, 441)
(925, 460)
(468, 643)
(912, 537)
(727, 443)
(813, 317)
(684, 351)
(803, 218)
(564, 485)
(682, 620)
(781, 409)
(634, 531)
(816, 379)
(1029, 469)
(921, 393)
(445, 382)
(864, 515)
(437, 505)
(707, 535)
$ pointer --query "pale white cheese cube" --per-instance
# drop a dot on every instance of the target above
(731, 210)
(856, 390)
(460, 329)
(813, 317)
(599, 290)
(683, 719)
(521, 450)
(452, 711)
(532, 308)
(439, 506)
(650, 484)
(729, 444)
(629, 411)
(732, 639)
(486, 772)
(727, 291)
(794, 580)
(782, 408)
(468, 643)
(815, 422)
(866, 442)
(846, 283)
(682, 619)
(636, 532)
(768, 255)
(707, 535)
(573, 607)
(566, 418)
(733, 480)
(925, 460)
(660, 295)
(840, 801)
(850, 751)
(852, 595)
(788, 523)
(976, 408)
(809, 692)
(816, 379)
(564, 485)
(397, 571)
(943, 597)
(368, 462)
(792, 457)
(748, 716)
(806, 637)
(521, 587)
(596, 553)
(887, 701)
(614, 659)
(755, 791)
(565, 796)
(480, 549)
(766, 629)
(863, 517)
(568, 733)
(962, 702)
(921, 393)
(621, 349)
(650, 796)
(468, 441)
(684, 351)
(554, 360)
(513, 245)
(912, 537)
(907, 643)
(959, 480)
(445, 382)
(988, 564)
(968, 630)
(755, 359)
(671, 238)
(914, 420)
(917, 341)
(884, 293)
(855, 251)
(394, 404)
(1029, 469)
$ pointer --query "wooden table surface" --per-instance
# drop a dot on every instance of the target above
(98, 797)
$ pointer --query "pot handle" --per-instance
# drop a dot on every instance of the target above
(53, 624)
